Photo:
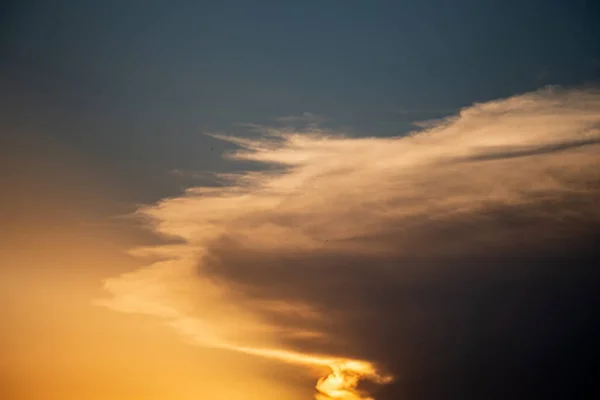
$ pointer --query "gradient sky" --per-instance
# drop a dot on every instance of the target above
(109, 105)
(139, 80)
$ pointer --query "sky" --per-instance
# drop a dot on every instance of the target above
(299, 200)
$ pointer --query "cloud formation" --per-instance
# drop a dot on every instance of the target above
(369, 256)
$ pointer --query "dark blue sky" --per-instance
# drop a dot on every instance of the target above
(129, 85)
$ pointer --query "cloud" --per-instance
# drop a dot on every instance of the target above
(409, 111)
(380, 257)
(305, 118)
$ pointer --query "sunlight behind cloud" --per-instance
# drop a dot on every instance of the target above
(329, 194)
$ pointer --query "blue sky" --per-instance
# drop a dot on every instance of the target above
(132, 84)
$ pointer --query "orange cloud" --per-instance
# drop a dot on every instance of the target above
(327, 193)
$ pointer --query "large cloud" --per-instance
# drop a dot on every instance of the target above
(453, 259)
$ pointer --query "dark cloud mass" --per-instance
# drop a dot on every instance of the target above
(460, 259)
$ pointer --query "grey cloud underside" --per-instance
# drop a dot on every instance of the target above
(512, 315)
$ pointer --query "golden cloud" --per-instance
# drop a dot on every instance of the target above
(238, 252)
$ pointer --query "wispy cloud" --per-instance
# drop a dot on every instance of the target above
(411, 111)
(287, 262)
(305, 118)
